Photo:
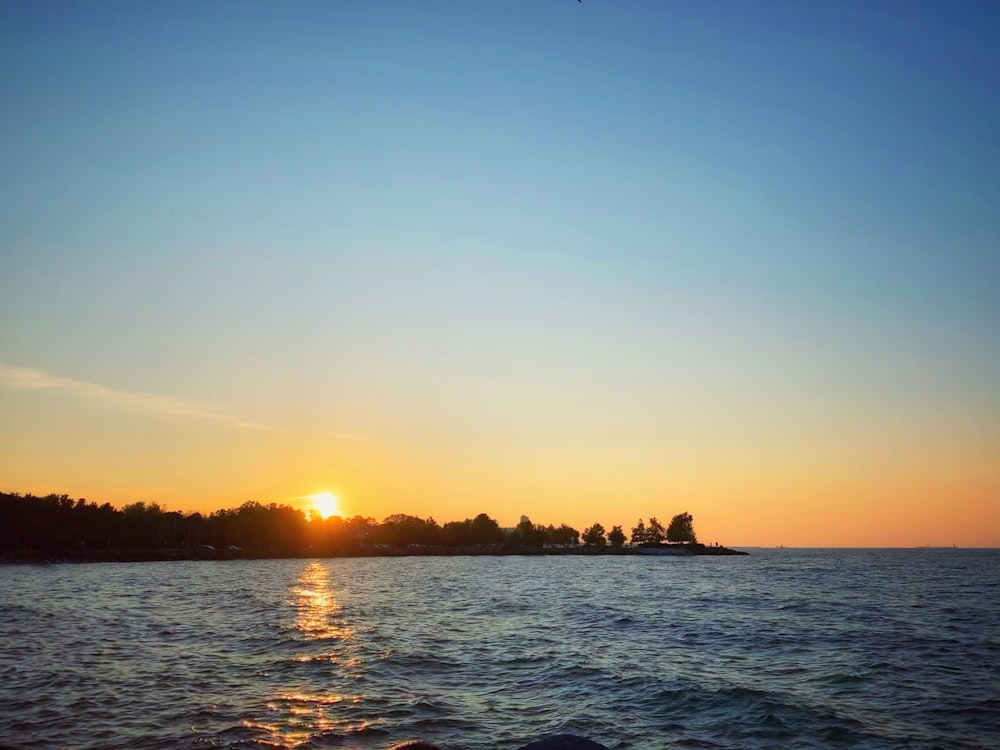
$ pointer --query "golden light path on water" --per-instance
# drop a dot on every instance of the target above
(316, 604)
(296, 717)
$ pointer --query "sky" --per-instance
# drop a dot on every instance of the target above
(586, 262)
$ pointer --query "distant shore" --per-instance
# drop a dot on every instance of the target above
(208, 553)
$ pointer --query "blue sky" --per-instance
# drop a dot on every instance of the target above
(465, 228)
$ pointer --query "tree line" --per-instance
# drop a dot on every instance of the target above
(680, 530)
(56, 524)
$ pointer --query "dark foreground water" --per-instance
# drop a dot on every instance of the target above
(785, 648)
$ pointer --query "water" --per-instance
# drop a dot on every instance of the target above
(784, 648)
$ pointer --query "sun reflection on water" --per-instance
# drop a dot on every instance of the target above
(316, 605)
(296, 718)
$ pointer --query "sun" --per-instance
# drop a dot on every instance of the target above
(325, 504)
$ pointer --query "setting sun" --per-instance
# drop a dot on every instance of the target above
(325, 504)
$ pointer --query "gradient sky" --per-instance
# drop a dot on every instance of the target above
(587, 262)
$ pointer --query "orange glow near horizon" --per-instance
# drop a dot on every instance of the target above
(325, 504)
(876, 494)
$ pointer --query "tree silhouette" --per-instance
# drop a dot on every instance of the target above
(481, 531)
(655, 533)
(485, 531)
(594, 536)
(639, 533)
(616, 537)
(401, 530)
(527, 536)
(564, 536)
(681, 528)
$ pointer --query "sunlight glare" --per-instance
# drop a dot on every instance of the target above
(325, 504)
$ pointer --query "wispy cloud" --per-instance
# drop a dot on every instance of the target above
(27, 379)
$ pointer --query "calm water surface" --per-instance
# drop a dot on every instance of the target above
(785, 648)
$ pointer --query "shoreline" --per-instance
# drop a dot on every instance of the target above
(30, 557)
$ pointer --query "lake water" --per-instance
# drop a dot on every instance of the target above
(784, 648)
